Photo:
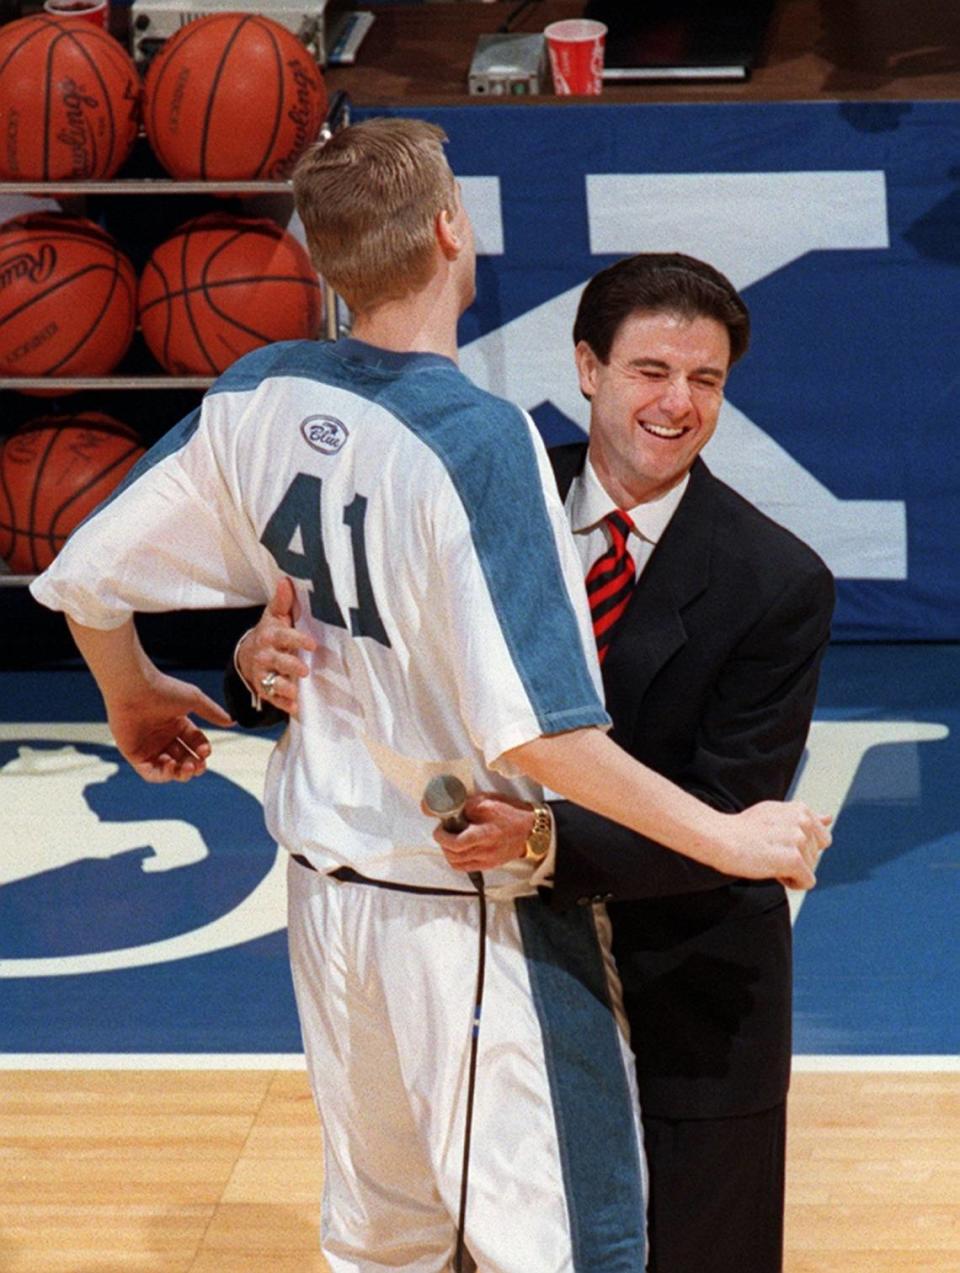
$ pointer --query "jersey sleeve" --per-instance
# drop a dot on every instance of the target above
(169, 538)
(517, 616)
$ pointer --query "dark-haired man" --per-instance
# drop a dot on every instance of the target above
(710, 674)
(711, 623)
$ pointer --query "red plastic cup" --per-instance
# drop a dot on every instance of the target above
(576, 55)
(94, 11)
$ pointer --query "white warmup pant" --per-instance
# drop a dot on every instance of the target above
(385, 985)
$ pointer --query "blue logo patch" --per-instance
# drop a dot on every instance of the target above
(324, 433)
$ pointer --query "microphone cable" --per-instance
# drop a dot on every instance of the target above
(444, 798)
(477, 879)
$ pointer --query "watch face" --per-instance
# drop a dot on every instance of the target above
(538, 841)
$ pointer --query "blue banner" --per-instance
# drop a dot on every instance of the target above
(841, 225)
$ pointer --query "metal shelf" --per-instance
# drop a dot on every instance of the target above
(338, 114)
(142, 186)
(75, 384)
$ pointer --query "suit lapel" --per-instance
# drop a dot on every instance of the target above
(652, 628)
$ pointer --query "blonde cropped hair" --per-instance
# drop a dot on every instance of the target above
(368, 199)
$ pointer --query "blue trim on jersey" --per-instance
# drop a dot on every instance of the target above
(592, 1103)
(486, 449)
(173, 440)
(309, 359)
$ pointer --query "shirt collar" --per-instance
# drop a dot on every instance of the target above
(589, 504)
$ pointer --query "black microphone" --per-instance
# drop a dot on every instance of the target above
(444, 797)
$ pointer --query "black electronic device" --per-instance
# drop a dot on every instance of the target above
(681, 39)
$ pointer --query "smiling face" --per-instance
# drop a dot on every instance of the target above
(654, 403)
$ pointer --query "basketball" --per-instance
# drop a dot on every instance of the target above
(232, 97)
(53, 472)
(69, 100)
(222, 285)
(67, 297)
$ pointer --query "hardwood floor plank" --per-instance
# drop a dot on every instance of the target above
(248, 1228)
(220, 1172)
(300, 1262)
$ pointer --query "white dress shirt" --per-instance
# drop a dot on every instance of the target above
(586, 505)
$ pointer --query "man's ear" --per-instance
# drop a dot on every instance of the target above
(449, 237)
(587, 364)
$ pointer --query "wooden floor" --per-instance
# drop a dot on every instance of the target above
(219, 1172)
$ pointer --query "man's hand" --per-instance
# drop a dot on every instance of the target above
(148, 712)
(499, 826)
(154, 732)
(774, 840)
(272, 651)
(771, 840)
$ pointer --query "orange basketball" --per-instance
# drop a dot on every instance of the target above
(67, 297)
(69, 100)
(222, 285)
(234, 97)
(53, 472)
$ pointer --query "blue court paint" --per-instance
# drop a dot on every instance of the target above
(877, 957)
(92, 887)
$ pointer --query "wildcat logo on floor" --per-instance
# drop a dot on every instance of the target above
(101, 871)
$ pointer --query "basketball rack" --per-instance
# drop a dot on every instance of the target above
(126, 186)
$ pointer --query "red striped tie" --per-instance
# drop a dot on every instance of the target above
(610, 581)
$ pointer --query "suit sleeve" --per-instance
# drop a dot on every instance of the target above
(749, 742)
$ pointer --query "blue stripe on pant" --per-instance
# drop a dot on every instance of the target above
(593, 1105)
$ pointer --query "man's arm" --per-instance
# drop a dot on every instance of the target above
(749, 741)
(769, 840)
(148, 712)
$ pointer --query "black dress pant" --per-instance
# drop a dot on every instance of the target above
(716, 1193)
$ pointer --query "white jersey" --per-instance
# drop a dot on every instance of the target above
(418, 519)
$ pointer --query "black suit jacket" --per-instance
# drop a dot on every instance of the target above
(710, 679)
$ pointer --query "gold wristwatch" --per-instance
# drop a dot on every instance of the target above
(541, 834)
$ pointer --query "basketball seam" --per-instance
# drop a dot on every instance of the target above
(227, 282)
(212, 95)
(281, 96)
(157, 72)
(69, 231)
(108, 103)
(53, 533)
(141, 309)
(31, 525)
(21, 44)
(116, 273)
(55, 288)
(186, 300)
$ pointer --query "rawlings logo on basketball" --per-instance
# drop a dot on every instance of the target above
(324, 433)
(29, 346)
(76, 136)
(13, 142)
(176, 104)
(36, 266)
(66, 108)
(302, 116)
